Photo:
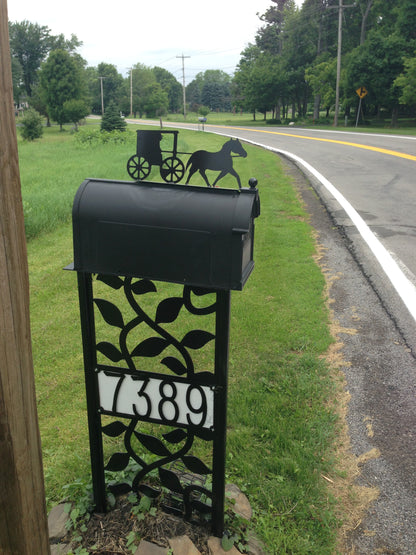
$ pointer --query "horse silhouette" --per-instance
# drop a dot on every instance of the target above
(221, 161)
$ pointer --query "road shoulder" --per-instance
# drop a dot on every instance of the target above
(380, 382)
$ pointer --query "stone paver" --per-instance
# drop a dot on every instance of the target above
(182, 545)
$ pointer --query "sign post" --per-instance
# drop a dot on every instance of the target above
(362, 92)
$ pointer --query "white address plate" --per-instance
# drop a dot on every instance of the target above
(156, 399)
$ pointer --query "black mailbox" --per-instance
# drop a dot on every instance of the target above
(197, 236)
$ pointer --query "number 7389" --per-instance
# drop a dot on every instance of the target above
(156, 399)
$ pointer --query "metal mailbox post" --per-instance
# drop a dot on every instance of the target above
(126, 235)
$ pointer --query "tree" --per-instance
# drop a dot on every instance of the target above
(322, 80)
(75, 110)
(105, 76)
(38, 102)
(406, 21)
(29, 44)
(194, 91)
(303, 41)
(17, 77)
(112, 83)
(375, 65)
(111, 120)
(59, 42)
(365, 7)
(270, 37)
(243, 86)
(61, 81)
(171, 86)
(156, 100)
(211, 88)
(406, 82)
(141, 78)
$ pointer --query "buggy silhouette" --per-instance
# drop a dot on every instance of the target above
(149, 153)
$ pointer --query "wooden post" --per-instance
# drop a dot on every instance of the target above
(23, 523)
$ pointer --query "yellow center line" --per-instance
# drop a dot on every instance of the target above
(356, 145)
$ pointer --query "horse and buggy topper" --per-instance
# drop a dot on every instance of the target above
(149, 153)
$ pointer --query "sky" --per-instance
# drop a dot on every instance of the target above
(211, 34)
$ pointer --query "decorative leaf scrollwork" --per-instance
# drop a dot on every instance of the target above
(119, 489)
(191, 503)
(199, 292)
(150, 347)
(153, 444)
(170, 480)
(204, 434)
(175, 436)
(196, 339)
(114, 429)
(174, 365)
(117, 462)
(196, 465)
(108, 350)
(168, 310)
(200, 506)
(112, 281)
(143, 286)
(148, 491)
(175, 444)
(110, 313)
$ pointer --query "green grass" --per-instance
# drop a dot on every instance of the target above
(281, 424)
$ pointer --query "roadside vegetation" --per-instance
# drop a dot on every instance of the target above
(404, 125)
(282, 423)
(288, 71)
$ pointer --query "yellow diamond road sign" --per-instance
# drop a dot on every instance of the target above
(361, 91)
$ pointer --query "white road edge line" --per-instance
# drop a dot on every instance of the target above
(404, 287)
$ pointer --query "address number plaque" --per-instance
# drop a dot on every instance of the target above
(122, 338)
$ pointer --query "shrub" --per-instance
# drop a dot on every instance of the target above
(91, 136)
(88, 136)
(203, 111)
(75, 110)
(31, 125)
(111, 120)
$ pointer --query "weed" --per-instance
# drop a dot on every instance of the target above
(133, 539)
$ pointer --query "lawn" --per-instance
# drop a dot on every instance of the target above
(282, 422)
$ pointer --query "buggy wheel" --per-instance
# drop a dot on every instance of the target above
(138, 167)
(172, 170)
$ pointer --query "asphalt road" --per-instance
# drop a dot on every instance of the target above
(362, 179)
(376, 328)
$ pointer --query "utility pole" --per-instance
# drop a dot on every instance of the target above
(23, 523)
(102, 95)
(131, 90)
(340, 13)
(183, 83)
